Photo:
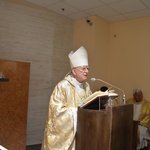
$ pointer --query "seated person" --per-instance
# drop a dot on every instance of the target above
(142, 114)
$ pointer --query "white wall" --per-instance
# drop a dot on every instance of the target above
(44, 39)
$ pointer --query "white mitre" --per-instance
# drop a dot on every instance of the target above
(78, 58)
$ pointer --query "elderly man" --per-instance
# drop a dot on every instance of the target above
(141, 114)
(68, 94)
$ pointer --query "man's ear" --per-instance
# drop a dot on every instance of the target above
(74, 72)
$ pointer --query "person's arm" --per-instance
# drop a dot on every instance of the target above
(145, 115)
(60, 123)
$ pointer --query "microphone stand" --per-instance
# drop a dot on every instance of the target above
(124, 98)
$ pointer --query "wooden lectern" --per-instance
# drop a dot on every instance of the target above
(107, 129)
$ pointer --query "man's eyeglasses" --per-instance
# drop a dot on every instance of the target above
(83, 69)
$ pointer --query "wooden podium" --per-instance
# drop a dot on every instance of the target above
(108, 129)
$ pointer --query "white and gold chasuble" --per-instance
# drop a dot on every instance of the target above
(143, 116)
(62, 114)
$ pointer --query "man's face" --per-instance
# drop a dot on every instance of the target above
(138, 96)
(80, 73)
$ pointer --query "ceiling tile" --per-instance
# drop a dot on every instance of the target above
(109, 1)
(110, 10)
(84, 4)
(44, 2)
(62, 8)
(138, 14)
(103, 11)
(128, 6)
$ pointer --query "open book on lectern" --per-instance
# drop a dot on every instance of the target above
(96, 98)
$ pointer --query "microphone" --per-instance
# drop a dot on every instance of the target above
(94, 79)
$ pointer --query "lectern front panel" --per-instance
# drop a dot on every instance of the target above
(108, 129)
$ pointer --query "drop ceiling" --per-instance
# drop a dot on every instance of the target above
(109, 10)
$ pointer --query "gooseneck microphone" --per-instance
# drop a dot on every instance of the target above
(94, 79)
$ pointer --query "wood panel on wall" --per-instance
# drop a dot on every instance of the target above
(14, 104)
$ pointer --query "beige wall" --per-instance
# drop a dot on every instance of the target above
(121, 52)
(130, 51)
(95, 39)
